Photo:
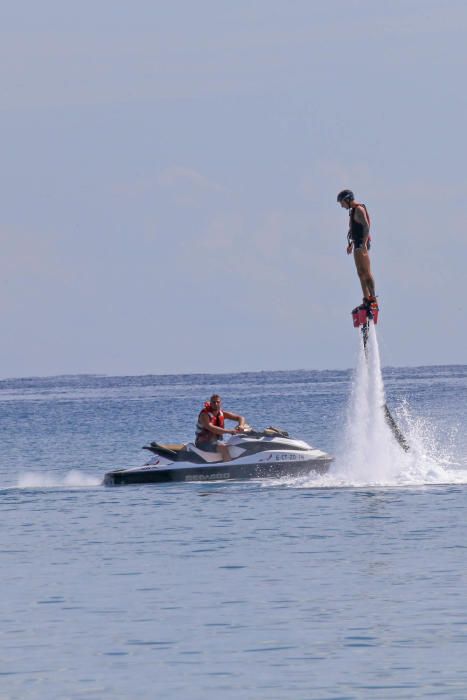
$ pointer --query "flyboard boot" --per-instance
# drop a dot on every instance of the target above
(363, 314)
(373, 309)
(367, 311)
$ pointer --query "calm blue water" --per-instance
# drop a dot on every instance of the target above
(325, 587)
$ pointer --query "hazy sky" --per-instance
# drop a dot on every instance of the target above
(169, 174)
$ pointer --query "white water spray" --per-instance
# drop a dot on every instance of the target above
(72, 479)
(369, 454)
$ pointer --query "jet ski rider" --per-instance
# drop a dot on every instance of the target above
(358, 239)
(210, 427)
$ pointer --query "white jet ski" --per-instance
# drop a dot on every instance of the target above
(270, 453)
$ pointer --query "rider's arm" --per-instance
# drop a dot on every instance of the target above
(217, 430)
(233, 416)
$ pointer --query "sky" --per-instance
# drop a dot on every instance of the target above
(169, 173)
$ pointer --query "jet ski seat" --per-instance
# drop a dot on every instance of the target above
(171, 450)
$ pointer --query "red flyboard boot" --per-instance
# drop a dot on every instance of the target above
(363, 313)
(373, 309)
(355, 317)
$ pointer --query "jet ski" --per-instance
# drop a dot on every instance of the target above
(270, 453)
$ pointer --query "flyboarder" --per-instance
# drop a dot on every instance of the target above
(358, 242)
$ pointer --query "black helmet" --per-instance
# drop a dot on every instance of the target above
(345, 196)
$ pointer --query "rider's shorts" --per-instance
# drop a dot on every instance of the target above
(207, 446)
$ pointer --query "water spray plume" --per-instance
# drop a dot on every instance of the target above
(373, 452)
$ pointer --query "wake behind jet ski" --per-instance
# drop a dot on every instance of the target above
(269, 453)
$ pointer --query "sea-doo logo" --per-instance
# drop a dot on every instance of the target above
(207, 477)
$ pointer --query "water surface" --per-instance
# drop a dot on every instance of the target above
(315, 588)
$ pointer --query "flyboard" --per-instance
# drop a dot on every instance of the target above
(362, 316)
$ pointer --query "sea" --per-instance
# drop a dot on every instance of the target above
(346, 586)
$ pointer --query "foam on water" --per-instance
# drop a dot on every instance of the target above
(369, 454)
(72, 479)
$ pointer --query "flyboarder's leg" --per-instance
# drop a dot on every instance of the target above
(362, 263)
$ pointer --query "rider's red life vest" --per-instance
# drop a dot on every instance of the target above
(204, 435)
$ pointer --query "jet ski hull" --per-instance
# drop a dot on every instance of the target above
(219, 471)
